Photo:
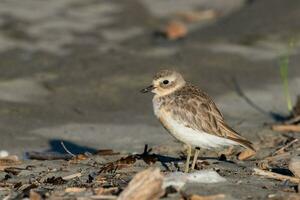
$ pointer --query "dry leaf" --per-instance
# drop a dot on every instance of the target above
(146, 185)
(175, 30)
(244, 155)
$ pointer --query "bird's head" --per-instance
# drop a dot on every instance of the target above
(165, 82)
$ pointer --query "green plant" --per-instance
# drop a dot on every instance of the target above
(284, 65)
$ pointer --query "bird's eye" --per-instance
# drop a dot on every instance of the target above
(165, 82)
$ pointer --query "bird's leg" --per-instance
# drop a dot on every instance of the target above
(197, 150)
(189, 152)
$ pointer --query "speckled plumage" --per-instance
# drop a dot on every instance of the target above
(195, 109)
(190, 115)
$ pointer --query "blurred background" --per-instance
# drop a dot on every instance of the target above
(71, 70)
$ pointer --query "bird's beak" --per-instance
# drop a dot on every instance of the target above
(147, 89)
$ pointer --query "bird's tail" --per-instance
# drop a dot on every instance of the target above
(245, 143)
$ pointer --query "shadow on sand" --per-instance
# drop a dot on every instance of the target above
(275, 116)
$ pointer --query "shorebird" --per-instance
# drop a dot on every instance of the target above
(190, 115)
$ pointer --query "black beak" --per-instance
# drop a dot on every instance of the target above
(147, 89)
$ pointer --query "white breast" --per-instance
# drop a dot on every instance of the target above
(193, 137)
(156, 106)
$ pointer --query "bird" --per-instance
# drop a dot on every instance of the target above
(191, 116)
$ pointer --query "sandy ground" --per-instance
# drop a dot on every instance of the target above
(72, 71)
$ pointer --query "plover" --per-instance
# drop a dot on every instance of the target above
(190, 115)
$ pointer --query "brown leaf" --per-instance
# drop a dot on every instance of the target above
(175, 30)
(146, 185)
(244, 155)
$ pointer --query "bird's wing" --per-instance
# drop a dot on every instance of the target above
(199, 112)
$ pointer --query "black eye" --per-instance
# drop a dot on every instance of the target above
(165, 82)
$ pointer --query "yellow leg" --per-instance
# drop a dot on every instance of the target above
(195, 158)
(187, 164)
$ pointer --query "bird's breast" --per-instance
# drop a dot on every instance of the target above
(157, 103)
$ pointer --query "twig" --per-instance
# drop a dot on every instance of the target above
(276, 176)
(293, 120)
(281, 150)
(65, 148)
(286, 128)
(69, 177)
(47, 156)
(278, 157)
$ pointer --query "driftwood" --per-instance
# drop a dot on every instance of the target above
(286, 128)
(276, 176)
(47, 156)
(146, 185)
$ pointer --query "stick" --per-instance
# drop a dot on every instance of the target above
(47, 156)
(278, 157)
(69, 177)
(281, 150)
(286, 128)
(293, 120)
(65, 148)
(276, 176)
